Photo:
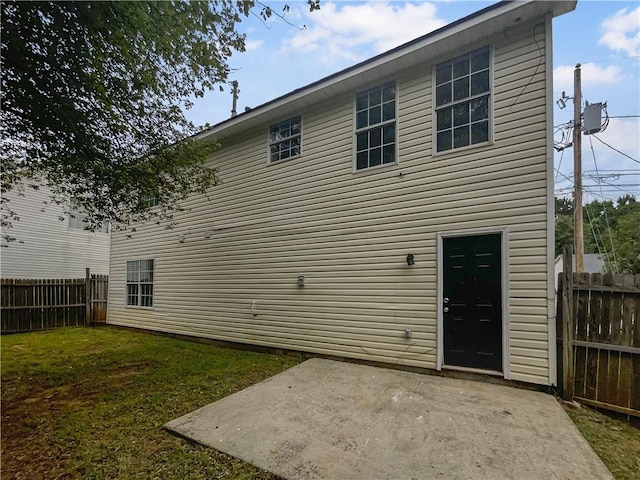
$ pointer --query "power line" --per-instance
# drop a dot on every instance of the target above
(613, 148)
(624, 116)
(606, 217)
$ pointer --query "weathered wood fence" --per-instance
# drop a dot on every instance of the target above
(27, 304)
(599, 339)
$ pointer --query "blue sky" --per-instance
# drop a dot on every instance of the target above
(603, 36)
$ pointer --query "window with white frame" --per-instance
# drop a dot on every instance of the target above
(140, 283)
(462, 95)
(376, 126)
(285, 139)
(78, 220)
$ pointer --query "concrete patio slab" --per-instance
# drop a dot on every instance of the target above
(335, 420)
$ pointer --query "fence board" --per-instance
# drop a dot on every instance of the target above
(606, 341)
(27, 304)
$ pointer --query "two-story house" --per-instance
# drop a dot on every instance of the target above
(399, 211)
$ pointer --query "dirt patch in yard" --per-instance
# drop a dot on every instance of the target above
(30, 422)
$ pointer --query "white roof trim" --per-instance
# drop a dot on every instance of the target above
(474, 27)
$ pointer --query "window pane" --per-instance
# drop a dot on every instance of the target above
(375, 96)
(461, 68)
(375, 137)
(362, 160)
(461, 114)
(375, 157)
(375, 115)
(480, 60)
(132, 294)
(388, 111)
(444, 141)
(461, 88)
(479, 109)
(443, 119)
(480, 132)
(389, 133)
(362, 119)
(389, 154)
(480, 82)
(285, 154)
(295, 125)
(362, 101)
(443, 94)
(461, 136)
(443, 73)
(362, 141)
(389, 93)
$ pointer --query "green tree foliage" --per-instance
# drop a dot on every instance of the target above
(94, 94)
(610, 229)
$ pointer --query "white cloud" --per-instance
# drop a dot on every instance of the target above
(592, 76)
(622, 32)
(252, 45)
(353, 32)
(622, 134)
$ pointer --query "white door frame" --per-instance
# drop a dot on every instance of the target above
(504, 258)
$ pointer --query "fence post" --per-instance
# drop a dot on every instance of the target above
(87, 296)
(568, 373)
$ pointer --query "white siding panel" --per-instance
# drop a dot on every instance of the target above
(349, 233)
(45, 246)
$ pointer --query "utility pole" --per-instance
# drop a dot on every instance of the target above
(578, 235)
(234, 92)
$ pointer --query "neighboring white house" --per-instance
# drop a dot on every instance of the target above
(50, 243)
(399, 211)
(593, 263)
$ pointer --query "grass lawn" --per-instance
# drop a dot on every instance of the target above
(90, 403)
(617, 443)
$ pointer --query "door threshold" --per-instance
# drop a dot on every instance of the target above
(493, 373)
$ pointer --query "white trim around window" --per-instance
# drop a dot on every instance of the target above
(284, 140)
(375, 127)
(462, 93)
(139, 283)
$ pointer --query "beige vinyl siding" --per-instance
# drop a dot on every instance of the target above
(45, 246)
(349, 233)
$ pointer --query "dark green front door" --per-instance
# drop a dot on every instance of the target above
(472, 302)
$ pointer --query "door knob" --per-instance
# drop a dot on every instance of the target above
(445, 300)
(445, 309)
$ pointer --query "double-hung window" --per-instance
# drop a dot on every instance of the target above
(376, 126)
(140, 283)
(462, 95)
(285, 139)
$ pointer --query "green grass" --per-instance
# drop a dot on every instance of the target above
(90, 404)
(616, 443)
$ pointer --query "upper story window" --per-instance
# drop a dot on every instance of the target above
(285, 139)
(78, 220)
(140, 283)
(462, 100)
(376, 126)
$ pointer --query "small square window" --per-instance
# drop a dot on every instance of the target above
(285, 139)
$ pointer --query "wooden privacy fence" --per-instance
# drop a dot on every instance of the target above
(599, 339)
(27, 304)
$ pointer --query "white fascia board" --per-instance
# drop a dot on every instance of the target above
(469, 30)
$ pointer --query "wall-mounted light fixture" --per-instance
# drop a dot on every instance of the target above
(410, 259)
(301, 280)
